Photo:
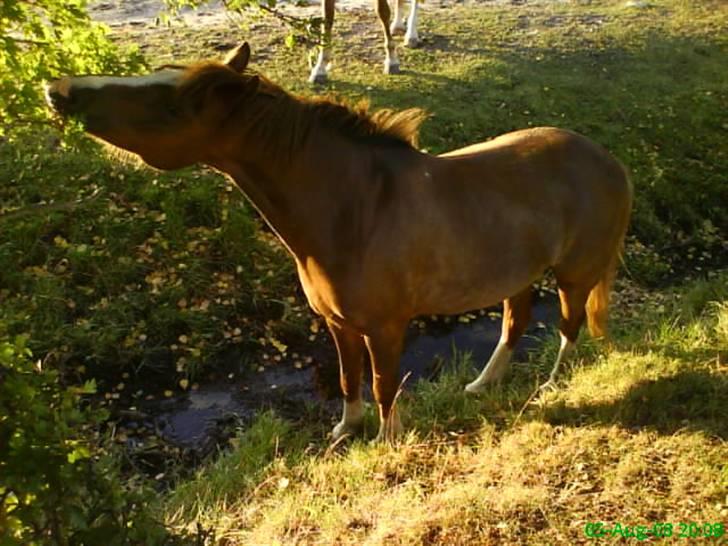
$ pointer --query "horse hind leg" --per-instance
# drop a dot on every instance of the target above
(516, 316)
(582, 300)
(573, 300)
(319, 72)
(391, 60)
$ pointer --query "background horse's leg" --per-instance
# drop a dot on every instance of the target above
(350, 346)
(573, 311)
(516, 316)
(319, 72)
(411, 39)
(397, 26)
(385, 350)
(391, 61)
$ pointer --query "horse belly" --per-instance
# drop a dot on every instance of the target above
(459, 298)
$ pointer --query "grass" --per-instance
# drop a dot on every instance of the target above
(636, 436)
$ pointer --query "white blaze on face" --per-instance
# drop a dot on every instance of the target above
(167, 76)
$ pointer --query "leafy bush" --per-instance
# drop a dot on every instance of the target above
(44, 39)
(56, 487)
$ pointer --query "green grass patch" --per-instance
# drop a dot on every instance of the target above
(636, 435)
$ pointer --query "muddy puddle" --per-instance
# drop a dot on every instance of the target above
(198, 422)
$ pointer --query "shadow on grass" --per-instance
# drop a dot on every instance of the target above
(690, 400)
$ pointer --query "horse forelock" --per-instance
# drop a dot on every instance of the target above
(283, 120)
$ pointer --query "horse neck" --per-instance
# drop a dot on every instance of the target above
(299, 197)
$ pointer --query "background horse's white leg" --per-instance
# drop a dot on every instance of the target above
(516, 315)
(391, 60)
(411, 39)
(319, 73)
(398, 22)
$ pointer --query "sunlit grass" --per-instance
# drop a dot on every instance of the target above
(635, 435)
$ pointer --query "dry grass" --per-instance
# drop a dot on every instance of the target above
(635, 436)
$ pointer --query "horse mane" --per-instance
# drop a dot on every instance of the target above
(282, 121)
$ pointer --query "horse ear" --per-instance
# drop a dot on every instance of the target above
(238, 58)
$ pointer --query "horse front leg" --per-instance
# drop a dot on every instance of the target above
(391, 61)
(350, 347)
(385, 350)
(319, 73)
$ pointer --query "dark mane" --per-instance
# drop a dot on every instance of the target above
(282, 120)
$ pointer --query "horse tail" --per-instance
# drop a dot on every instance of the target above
(597, 304)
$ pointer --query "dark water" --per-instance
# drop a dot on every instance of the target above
(193, 421)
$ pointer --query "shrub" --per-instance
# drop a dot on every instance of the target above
(57, 486)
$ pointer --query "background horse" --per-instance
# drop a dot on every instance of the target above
(380, 231)
(319, 72)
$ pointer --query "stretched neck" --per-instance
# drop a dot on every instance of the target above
(293, 160)
(297, 195)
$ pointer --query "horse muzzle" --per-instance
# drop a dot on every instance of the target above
(58, 96)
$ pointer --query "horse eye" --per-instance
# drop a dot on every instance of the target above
(173, 110)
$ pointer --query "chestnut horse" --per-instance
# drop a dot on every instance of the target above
(319, 73)
(380, 231)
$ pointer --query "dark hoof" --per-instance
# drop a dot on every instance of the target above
(391, 69)
(318, 79)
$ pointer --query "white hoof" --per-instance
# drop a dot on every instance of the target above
(397, 28)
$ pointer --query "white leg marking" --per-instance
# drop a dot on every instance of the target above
(320, 71)
(390, 428)
(398, 21)
(564, 352)
(351, 418)
(411, 39)
(494, 369)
